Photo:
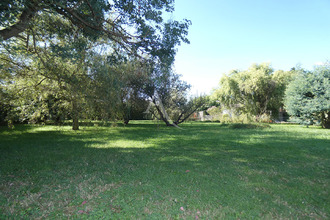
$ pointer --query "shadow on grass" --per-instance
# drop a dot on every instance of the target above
(274, 172)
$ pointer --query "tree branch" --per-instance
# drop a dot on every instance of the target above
(23, 22)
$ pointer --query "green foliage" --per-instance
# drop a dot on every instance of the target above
(256, 91)
(84, 59)
(137, 27)
(10, 10)
(215, 112)
(307, 97)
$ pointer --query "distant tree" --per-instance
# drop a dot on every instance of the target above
(256, 91)
(282, 79)
(307, 97)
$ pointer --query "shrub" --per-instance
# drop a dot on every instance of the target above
(264, 118)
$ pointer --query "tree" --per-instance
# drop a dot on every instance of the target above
(50, 66)
(118, 87)
(133, 78)
(60, 36)
(282, 79)
(4, 101)
(136, 26)
(256, 91)
(307, 97)
(169, 96)
(188, 107)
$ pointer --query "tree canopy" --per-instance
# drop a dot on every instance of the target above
(307, 98)
(135, 26)
(85, 58)
(255, 91)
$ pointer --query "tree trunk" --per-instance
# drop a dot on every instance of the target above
(75, 116)
(75, 123)
(126, 120)
(325, 120)
(186, 115)
(162, 117)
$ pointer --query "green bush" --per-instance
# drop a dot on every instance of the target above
(264, 118)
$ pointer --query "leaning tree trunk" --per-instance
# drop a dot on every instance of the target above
(162, 116)
(185, 115)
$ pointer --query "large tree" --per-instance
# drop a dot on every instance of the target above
(255, 91)
(60, 37)
(136, 26)
(307, 97)
(49, 60)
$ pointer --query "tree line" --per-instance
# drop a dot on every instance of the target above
(260, 94)
(112, 60)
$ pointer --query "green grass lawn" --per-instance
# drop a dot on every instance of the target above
(149, 171)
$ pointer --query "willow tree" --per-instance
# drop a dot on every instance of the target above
(255, 91)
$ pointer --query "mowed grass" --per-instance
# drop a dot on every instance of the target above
(149, 171)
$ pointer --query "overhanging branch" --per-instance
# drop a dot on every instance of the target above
(23, 22)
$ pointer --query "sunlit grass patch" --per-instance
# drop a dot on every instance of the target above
(147, 171)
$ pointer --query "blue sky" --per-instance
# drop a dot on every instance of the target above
(233, 34)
